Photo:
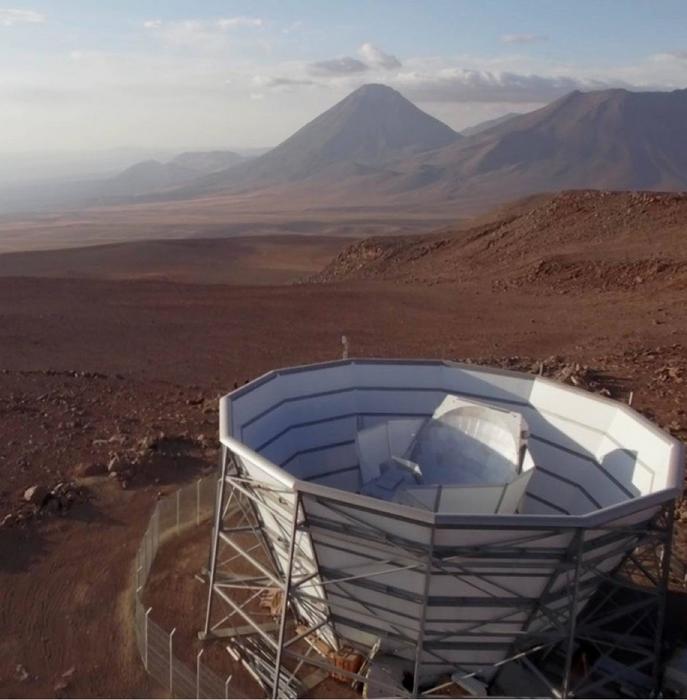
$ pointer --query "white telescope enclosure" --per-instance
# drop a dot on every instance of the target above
(443, 509)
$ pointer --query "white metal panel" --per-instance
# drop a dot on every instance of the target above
(550, 396)
(470, 499)
(324, 460)
(482, 382)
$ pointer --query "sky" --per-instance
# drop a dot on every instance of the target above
(87, 75)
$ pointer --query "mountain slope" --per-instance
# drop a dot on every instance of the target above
(488, 124)
(570, 242)
(611, 139)
(372, 127)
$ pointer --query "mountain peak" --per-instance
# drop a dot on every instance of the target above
(375, 90)
(373, 126)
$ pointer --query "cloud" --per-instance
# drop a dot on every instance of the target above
(680, 55)
(280, 81)
(463, 85)
(234, 22)
(522, 38)
(209, 35)
(377, 58)
(338, 67)
(9, 18)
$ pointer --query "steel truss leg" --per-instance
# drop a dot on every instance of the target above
(285, 599)
(662, 592)
(579, 538)
(219, 507)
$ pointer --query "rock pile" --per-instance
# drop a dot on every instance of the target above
(39, 500)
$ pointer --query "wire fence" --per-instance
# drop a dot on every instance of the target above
(189, 506)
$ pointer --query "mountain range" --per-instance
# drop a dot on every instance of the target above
(375, 146)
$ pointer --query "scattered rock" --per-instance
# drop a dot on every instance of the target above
(148, 443)
(116, 464)
(36, 495)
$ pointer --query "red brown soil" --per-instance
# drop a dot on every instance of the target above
(252, 260)
(84, 361)
(264, 214)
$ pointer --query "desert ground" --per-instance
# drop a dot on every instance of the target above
(102, 359)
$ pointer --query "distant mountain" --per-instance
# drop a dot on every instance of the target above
(610, 139)
(208, 161)
(488, 124)
(152, 176)
(146, 178)
(372, 127)
(375, 148)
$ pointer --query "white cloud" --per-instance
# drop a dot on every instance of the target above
(335, 67)
(278, 81)
(233, 22)
(522, 38)
(464, 85)
(377, 58)
(208, 35)
(680, 55)
(9, 18)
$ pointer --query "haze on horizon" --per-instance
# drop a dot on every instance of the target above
(82, 76)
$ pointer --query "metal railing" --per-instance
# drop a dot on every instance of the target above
(188, 506)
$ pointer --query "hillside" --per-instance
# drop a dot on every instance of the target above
(488, 124)
(571, 242)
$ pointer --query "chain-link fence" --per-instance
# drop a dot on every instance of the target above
(190, 505)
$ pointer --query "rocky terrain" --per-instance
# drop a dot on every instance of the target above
(573, 242)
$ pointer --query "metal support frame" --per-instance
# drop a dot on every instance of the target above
(622, 622)
(270, 533)
(285, 600)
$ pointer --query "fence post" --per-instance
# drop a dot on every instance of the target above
(200, 653)
(178, 510)
(226, 685)
(198, 501)
(157, 528)
(171, 661)
(146, 636)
